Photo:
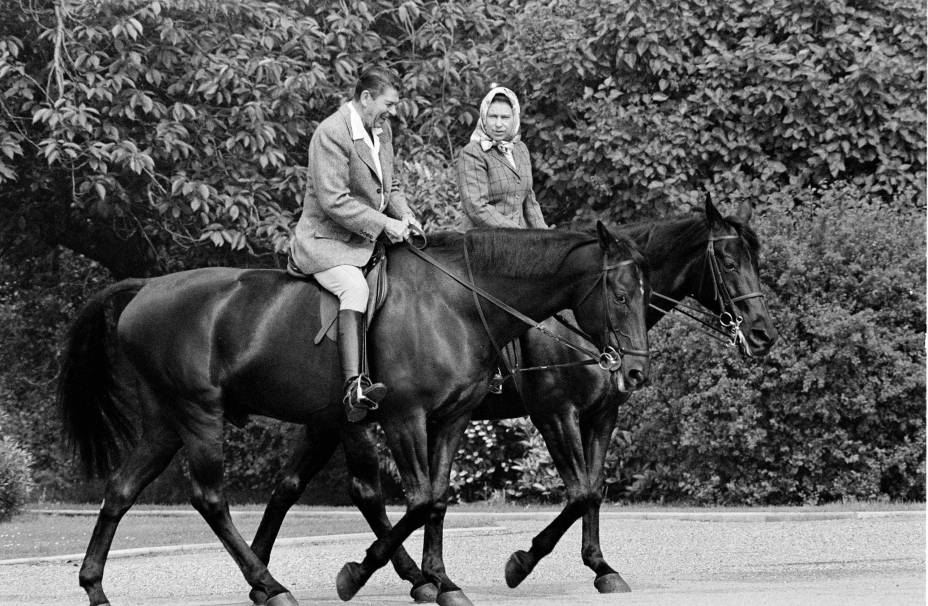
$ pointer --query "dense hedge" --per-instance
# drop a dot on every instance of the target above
(15, 473)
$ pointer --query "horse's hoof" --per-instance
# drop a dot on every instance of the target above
(348, 581)
(453, 598)
(517, 568)
(426, 593)
(283, 599)
(257, 597)
(611, 583)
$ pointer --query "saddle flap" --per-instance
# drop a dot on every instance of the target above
(328, 303)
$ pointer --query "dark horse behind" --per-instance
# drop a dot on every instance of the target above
(711, 258)
(194, 348)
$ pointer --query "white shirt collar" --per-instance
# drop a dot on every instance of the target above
(357, 126)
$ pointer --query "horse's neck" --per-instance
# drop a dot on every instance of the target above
(535, 297)
(675, 268)
(527, 296)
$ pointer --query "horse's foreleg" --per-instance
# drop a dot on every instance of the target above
(407, 440)
(202, 437)
(596, 429)
(363, 465)
(443, 442)
(144, 462)
(312, 452)
(561, 432)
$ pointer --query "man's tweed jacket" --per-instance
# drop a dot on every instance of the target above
(340, 219)
(493, 192)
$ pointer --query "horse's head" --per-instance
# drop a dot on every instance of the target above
(612, 311)
(729, 282)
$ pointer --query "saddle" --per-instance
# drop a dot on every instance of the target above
(376, 274)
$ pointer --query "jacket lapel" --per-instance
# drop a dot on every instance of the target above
(364, 151)
(498, 155)
(360, 147)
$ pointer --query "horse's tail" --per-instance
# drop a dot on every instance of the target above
(95, 426)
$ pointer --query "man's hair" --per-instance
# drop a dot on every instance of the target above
(376, 79)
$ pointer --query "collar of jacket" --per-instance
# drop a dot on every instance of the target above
(357, 125)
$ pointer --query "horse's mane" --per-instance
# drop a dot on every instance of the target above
(677, 232)
(514, 252)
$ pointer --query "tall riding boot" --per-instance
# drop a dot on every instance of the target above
(361, 395)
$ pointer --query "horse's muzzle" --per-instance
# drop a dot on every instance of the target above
(757, 342)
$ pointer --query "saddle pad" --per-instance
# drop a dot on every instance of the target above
(328, 303)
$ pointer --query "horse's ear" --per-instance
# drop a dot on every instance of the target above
(605, 237)
(713, 216)
(745, 210)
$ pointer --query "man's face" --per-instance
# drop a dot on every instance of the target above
(376, 110)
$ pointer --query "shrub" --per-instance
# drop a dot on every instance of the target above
(15, 475)
(836, 411)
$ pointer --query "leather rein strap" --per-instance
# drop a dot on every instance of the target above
(594, 357)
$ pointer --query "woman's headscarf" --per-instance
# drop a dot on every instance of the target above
(480, 133)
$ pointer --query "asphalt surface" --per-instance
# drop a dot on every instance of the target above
(846, 560)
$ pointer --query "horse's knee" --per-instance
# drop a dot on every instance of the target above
(440, 506)
(581, 499)
(289, 489)
(363, 492)
(208, 503)
(419, 507)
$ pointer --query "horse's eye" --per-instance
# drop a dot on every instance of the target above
(620, 297)
(730, 265)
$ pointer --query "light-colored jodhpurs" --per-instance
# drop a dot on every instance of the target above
(346, 282)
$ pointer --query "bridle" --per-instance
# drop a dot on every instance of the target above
(609, 359)
(727, 328)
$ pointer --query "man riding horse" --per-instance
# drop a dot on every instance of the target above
(352, 197)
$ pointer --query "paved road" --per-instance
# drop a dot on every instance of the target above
(842, 562)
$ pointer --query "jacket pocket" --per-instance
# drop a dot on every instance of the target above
(332, 232)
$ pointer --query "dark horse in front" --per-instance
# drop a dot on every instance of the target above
(194, 348)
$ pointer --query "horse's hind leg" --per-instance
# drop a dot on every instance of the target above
(366, 493)
(144, 462)
(596, 430)
(202, 435)
(312, 452)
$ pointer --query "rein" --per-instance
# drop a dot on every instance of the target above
(608, 359)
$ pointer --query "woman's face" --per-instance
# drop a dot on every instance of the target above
(499, 120)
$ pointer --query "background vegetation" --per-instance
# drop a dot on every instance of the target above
(139, 137)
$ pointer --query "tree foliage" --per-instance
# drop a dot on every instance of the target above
(639, 105)
(174, 124)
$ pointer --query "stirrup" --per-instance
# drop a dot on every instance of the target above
(361, 397)
(496, 382)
